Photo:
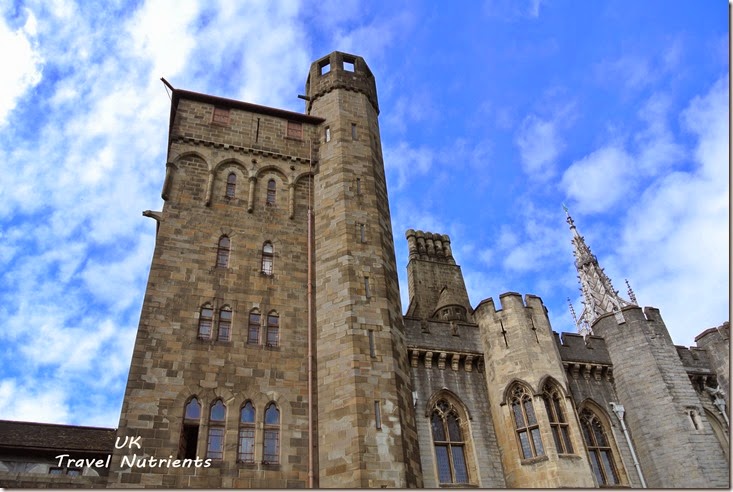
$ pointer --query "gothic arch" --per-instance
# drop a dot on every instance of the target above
(589, 405)
(453, 452)
(447, 395)
(231, 162)
(720, 431)
(506, 395)
(549, 380)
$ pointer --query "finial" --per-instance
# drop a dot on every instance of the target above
(632, 296)
(569, 219)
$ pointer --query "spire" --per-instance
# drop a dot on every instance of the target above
(599, 297)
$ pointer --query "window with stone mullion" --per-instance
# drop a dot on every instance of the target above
(558, 423)
(449, 445)
(599, 449)
(526, 426)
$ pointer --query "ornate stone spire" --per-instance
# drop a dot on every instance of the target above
(599, 296)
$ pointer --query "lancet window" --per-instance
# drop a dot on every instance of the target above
(554, 404)
(246, 452)
(217, 418)
(449, 444)
(525, 423)
(599, 448)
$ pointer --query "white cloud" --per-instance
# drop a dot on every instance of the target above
(599, 180)
(21, 61)
(407, 163)
(539, 145)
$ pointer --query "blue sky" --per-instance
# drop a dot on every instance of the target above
(493, 114)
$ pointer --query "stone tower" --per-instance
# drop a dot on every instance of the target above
(536, 424)
(220, 366)
(674, 440)
(367, 435)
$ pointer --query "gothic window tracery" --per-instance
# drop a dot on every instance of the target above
(558, 422)
(246, 452)
(449, 444)
(525, 423)
(599, 448)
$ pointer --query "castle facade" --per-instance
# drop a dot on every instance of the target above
(272, 350)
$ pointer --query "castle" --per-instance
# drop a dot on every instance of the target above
(272, 350)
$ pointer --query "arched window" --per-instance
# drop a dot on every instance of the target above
(206, 320)
(273, 329)
(558, 422)
(247, 434)
(525, 423)
(271, 192)
(253, 333)
(599, 448)
(190, 430)
(225, 324)
(217, 418)
(449, 443)
(222, 252)
(267, 254)
(231, 185)
(271, 443)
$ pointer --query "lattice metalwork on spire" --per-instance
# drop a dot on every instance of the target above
(599, 296)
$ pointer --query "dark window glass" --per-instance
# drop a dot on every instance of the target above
(449, 444)
(231, 185)
(273, 330)
(599, 450)
(525, 422)
(225, 323)
(558, 423)
(247, 434)
(267, 254)
(222, 252)
(271, 192)
(271, 442)
(206, 320)
(253, 335)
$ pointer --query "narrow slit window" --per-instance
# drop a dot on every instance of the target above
(206, 321)
(367, 291)
(358, 186)
(377, 414)
(231, 185)
(225, 324)
(372, 348)
(328, 134)
(362, 233)
(353, 131)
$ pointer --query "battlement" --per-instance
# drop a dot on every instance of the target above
(429, 246)
(574, 347)
(339, 70)
(511, 302)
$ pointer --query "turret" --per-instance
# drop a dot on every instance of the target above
(367, 434)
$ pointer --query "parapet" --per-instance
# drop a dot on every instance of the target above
(340, 71)
(429, 246)
(510, 301)
(574, 347)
